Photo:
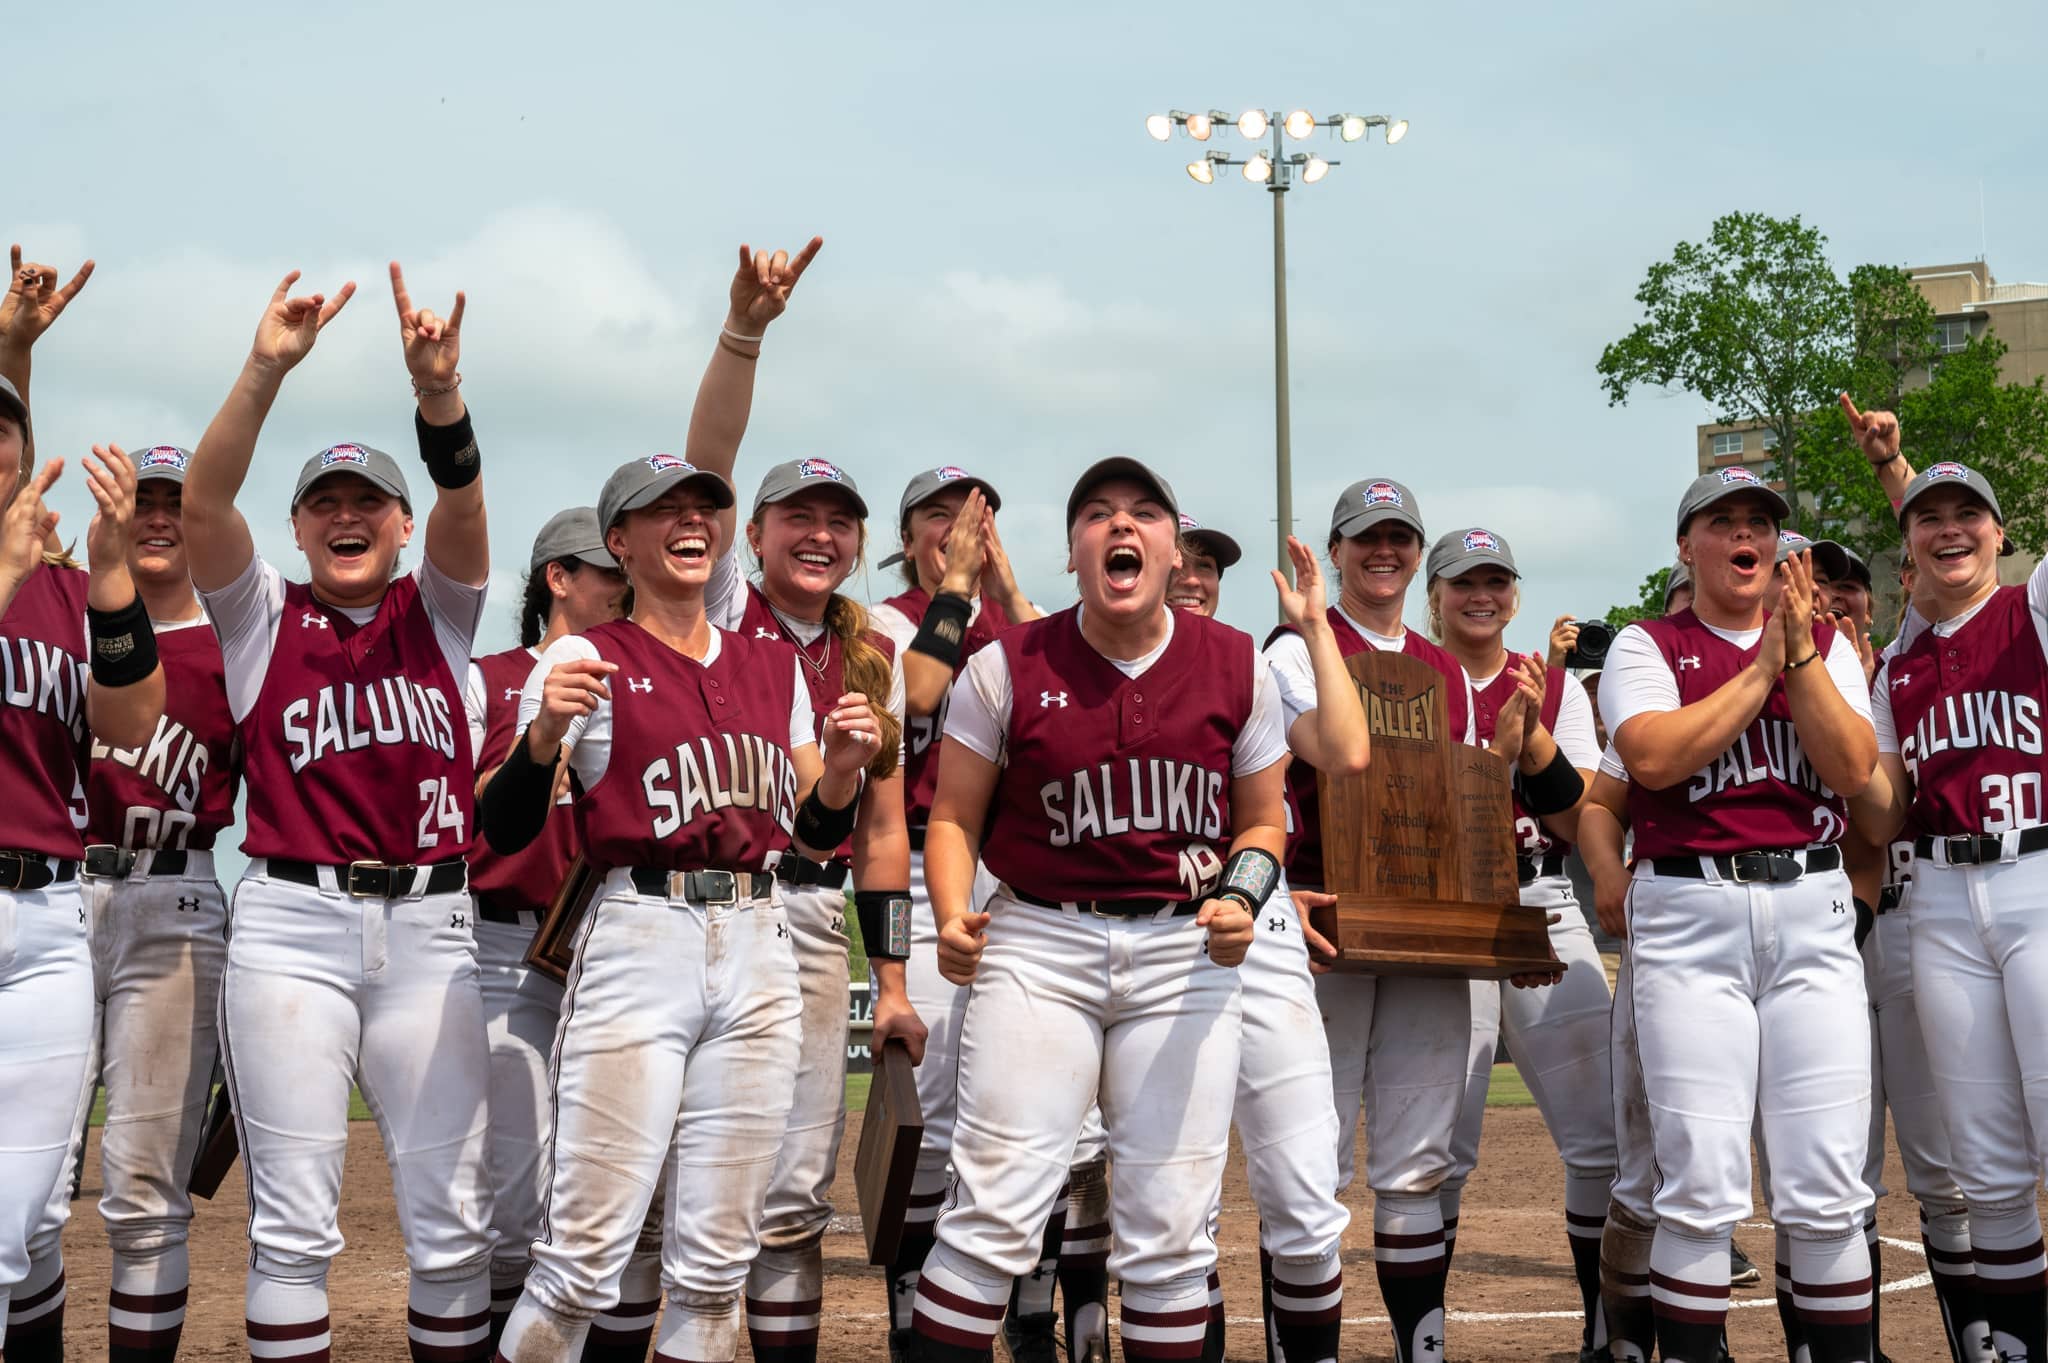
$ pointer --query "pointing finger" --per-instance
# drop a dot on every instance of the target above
(804, 258)
(1849, 411)
(454, 322)
(399, 294)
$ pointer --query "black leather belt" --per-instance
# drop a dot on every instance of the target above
(1888, 898)
(800, 872)
(1776, 866)
(498, 908)
(104, 861)
(374, 879)
(1109, 908)
(700, 887)
(34, 870)
(1980, 849)
(1532, 868)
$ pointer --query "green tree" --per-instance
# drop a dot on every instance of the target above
(1648, 607)
(1754, 320)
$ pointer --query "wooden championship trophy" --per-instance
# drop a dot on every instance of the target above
(1419, 849)
(553, 949)
(887, 1158)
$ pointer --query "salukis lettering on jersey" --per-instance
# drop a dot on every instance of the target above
(1768, 750)
(174, 760)
(38, 676)
(1974, 719)
(725, 771)
(345, 717)
(1148, 795)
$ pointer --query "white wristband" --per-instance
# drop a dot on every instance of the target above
(732, 335)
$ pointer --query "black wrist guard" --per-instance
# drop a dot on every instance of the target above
(450, 451)
(821, 828)
(1249, 877)
(884, 917)
(943, 632)
(1866, 919)
(123, 644)
(1554, 789)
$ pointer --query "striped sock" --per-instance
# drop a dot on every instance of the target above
(1832, 1288)
(957, 1316)
(1689, 1293)
(508, 1279)
(287, 1318)
(699, 1327)
(1449, 1201)
(1308, 1307)
(2012, 1277)
(1625, 1287)
(1165, 1321)
(1216, 1330)
(785, 1296)
(449, 1320)
(1585, 1217)
(625, 1333)
(1411, 1262)
(35, 1313)
(1945, 1235)
(1788, 1310)
(146, 1304)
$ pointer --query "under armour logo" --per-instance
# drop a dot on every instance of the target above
(188, 904)
(1276, 924)
(511, 693)
(458, 920)
(763, 632)
(905, 1286)
(1048, 699)
(838, 922)
(311, 619)
(640, 684)
(1840, 907)
(782, 929)
(1684, 663)
(1432, 1343)
(1901, 680)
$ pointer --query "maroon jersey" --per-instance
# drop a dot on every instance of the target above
(921, 739)
(1761, 793)
(1118, 787)
(1967, 712)
(700, 776)
(357, 746)
(1532, 839)
(177, 790)
(1304, 808)
(527, 879)
(42, 712)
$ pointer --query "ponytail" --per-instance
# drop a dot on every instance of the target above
(535, 607)
(866, 669)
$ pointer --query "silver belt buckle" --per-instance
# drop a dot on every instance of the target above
(104, 861)
(679, 884)
(1968, 843)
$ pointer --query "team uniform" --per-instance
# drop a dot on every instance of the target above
(157, 922)
(1746, 991)
(679, 1041)
(351, 959)
(1399, 1045)
(521, 1007)
(1961, 705)
(1115, 777)
(46, 978)
(1558, 1035)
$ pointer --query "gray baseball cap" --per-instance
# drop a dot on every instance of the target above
(1679, 576)
(11, 403)
(1948, 473)
(1214, 543)
(1721, 484)
(637, 482)
(1463, 550)
(932, 482)
(1837, 561)
(801, 475)
(1372, 500)
(1790, 542)
(1119, 466)
(574, 533)
(162, 461)
(375, 467)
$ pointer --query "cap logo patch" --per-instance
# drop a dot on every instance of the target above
(1477, 540)
(1188, 523)
(819, 468)
(161, 457)
(343, 454)
(1794, 538)
(1947, 468)
(664, 463)
(1383, 494)
(1739, 474)
(946, 473)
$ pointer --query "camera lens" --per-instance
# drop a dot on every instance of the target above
(1594, 637)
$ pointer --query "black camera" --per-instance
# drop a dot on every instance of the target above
(1591, 649)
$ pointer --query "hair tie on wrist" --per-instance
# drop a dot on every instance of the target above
(728, 332)
(420, 392)
(729, 348)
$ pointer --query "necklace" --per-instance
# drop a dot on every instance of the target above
(803, 651)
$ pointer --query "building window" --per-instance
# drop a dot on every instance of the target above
(1727, 444)
(1951, 335)
(1770, 439)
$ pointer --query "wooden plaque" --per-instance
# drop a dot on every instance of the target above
(553, 948)
(887, 1158)
(1419, 849)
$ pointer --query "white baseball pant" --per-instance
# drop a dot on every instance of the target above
(522, 1009)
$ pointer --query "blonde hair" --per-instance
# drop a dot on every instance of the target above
(1436, 607)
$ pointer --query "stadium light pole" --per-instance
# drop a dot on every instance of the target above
(1276, 169)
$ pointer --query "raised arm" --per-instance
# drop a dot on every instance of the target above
(1878, 435)
(1332, 737)
(33, 301)
(458, 540)
(125, 696)
(217, 541)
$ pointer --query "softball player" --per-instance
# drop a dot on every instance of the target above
(75, 649)
(157, 924)
(1120, 746)
(352, 960)
(1957, 716)
(1557, 1034)
(1740, 922)
(1398, 1045)
(1285, 1118)
(679, 1041)
(572, 584)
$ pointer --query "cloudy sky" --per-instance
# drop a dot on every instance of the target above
(1015, 277)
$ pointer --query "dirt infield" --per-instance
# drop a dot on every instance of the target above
(1511, 1281)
